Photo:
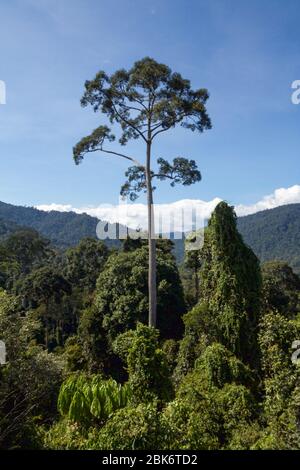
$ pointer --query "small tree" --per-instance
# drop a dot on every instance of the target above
(145, 101)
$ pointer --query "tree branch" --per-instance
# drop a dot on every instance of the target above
(127, 122)
(136, 162)
(159, 175)
(176, 121)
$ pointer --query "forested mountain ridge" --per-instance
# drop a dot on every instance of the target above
(63, 229)
(272, 234)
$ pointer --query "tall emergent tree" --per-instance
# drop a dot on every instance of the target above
(145, 101)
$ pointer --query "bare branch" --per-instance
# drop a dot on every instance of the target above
(99, 149)
(160, 175)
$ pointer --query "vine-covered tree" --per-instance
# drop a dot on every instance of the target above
(230, 284)
(145, 101)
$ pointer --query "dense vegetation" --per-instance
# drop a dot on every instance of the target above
(7, 228)
(85, 371)
(63, 229)
(272, 235)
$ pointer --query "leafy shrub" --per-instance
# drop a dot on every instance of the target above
(88, 399)
(148, 370)
(137, 428)
(187, 427)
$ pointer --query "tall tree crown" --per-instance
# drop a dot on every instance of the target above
(146, 100)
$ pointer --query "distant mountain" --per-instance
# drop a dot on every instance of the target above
(64, 229)
(272, 234)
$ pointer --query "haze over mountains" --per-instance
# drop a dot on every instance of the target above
(272, 234)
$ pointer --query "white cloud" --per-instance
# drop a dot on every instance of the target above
(56, 207)
(279, 197)
(177, 215)
(135, 215)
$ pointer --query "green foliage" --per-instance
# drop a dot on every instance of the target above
(93, 339)
(7, 228)
(281, 376)
(65, 435)
(148, 93)
(219, 367)
(74, 354)
(20, 252)
(196, 338)
(218, 410)
(137, 428)
(216, 401)
(147, 367)
(170, 349)
(281, 288)
(230, 284)
(122, 344)
(188, 428)
(28, 248)
(63, 229)
(281, 381)
(274, 234)
(84, 399)
(191, 266)
(122, 299)
(29, 381)
(181, 171)
(44, 290)
(84, 263)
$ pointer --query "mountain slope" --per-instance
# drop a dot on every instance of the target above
(64, 229)
(274, 234)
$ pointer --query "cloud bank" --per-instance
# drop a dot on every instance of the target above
(135, 215)
(279, 197)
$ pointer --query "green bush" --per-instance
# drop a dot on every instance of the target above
(137, 428)
(87, 400)
(149, 375)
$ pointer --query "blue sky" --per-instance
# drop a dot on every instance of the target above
(246, 53)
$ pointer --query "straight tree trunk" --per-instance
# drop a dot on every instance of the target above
(151, 244)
